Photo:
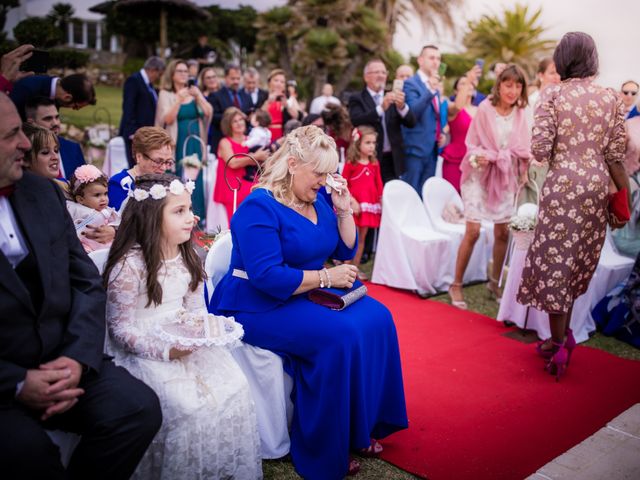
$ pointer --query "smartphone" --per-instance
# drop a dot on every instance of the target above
(191, 82)
(38, 62)
(398, 85)
(480, 62)
(442, 69)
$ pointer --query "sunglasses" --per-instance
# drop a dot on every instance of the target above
(633, 93)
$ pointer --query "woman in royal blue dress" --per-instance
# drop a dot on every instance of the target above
(345, 364)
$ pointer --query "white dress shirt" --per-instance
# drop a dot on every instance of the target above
(12, 243)
(377, 98)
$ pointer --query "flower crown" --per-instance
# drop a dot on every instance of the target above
(87, 174)
(158, 192)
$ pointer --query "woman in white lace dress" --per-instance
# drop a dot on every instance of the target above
(155, 279)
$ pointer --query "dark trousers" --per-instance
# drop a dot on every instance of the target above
(127, 148)
(387, 168)
(117, 416)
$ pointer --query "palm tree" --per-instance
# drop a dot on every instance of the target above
(432, 13)
(61, 14)
(512, 38)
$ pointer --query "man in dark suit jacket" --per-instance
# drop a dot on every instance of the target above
(73, 91)
(252, 88)
(43, 112)
(139, 101)
(53, 373)
(373, 107)
(230, 95)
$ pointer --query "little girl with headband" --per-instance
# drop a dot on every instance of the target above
(89, 208)
(160, 331)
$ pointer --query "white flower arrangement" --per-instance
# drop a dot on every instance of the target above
(158, 192)
(191, 161)
(522, 223)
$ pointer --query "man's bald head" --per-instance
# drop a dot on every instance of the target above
(13, 143)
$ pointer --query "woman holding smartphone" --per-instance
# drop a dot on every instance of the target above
(277, 104)
(183, 111)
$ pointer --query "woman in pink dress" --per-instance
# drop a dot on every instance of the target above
(459, 117)
(579, 131)
(496, 162)
(233, 126)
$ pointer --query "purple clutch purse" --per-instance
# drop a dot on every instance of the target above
(338, 298)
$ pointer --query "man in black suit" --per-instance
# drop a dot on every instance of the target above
(53, 374)
(252, 88)
(231, 95)
(385, 112)
(139, 101)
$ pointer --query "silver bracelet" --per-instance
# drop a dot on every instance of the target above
(328, 277)
(320, 277)
(344, 214)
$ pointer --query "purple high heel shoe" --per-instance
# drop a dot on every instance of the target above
(547, 353)
(558, 363)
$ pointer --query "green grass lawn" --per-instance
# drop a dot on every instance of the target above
(109, 98)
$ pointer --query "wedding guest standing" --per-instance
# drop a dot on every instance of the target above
(185, 114)
(495, 164)
(345, 364)
(139, 100)
(579, 131)
(252, 88)
(229, 95)
(459, 116)
(53, 373)
(629, 92)
(281, 108)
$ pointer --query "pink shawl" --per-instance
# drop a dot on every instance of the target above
(482, 139)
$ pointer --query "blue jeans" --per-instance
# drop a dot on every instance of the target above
(418, 169)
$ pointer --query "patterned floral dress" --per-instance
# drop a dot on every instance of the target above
(579, 130)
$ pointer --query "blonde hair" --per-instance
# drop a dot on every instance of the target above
(308, 145)
(166, 83)
(40, 138)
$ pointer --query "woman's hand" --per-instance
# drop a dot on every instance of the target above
(343, 275)
(183, 94)
(341, 200)
(613, 221)
(176, 354)
(355, 206)
(482, 161)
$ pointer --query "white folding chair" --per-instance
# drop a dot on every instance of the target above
(270, 385)
(437, 193)
(115, 157)
(410, 251)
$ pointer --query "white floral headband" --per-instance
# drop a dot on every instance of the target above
(158, 192)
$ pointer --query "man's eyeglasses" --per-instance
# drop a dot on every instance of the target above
(633, 93)
(160, 162)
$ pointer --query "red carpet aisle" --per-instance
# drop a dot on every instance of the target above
(480, 405)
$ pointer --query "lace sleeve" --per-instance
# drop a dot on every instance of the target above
(126, 285)
(194, 301)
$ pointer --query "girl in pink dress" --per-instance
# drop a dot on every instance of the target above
(88, 186)
(233, 126)
(459, 116)
(362, 173)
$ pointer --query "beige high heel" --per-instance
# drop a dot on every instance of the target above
(494, 290)
(461, 304)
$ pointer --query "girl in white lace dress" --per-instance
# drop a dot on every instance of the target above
(155, 279)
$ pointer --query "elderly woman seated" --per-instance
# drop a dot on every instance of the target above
(345, 364)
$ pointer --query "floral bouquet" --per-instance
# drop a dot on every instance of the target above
(522, 227)
(191, 166)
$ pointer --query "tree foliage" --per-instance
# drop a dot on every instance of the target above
(513, 37)
(61, 14)
(38, 31)
(321, 40)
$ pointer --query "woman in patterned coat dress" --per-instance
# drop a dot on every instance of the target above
(579, 131)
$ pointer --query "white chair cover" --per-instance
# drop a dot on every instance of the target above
(115, 157)
(437, 193)
(410, 252)
(612, 269)
(216, 213)
(270, 386)
(439, 164)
